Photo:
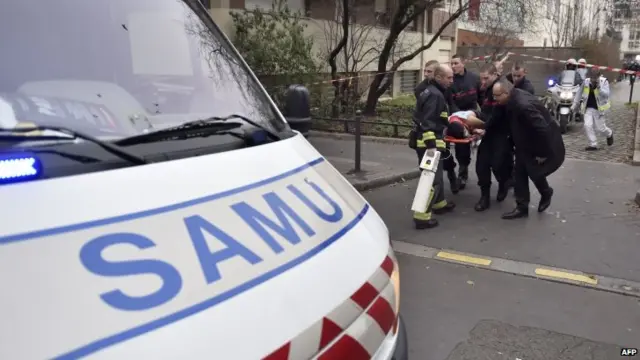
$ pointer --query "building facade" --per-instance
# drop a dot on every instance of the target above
(369, 24)
(537, 23)
(624, 21)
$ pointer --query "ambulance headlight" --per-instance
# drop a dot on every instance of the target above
(16, 167)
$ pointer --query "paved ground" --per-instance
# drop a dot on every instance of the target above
(593, 224)
(458, 312)
(379, 160)
(621, 120)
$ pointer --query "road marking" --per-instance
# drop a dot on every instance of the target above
(520, 268)
(463, 258)
(567, 275)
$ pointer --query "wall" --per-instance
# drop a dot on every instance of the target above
(319, 28)
(473, 38)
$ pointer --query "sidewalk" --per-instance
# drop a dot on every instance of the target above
(593, 224)
(382, 162)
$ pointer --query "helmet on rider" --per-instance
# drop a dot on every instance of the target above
(571, 64)
(582, 63)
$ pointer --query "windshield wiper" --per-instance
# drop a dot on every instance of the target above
(20, 134)
(212, 126)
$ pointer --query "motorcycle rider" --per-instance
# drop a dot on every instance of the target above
(571, 64)
(594, 92)
(465, 90)
(582, 68)
(430, 120)
(495, 153)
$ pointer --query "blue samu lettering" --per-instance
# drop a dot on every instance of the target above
(283, 220)
(91, 258)
(209, 260)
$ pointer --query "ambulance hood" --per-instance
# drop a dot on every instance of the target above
(224, 256)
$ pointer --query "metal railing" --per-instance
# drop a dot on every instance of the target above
(357, 131)
(354, 121)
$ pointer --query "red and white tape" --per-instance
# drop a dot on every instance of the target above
(601, 67)
(485, 57)
(355, 329)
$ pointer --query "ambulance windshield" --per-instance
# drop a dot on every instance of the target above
(119, 68)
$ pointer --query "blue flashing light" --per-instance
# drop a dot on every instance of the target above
(550, 82)
(16, 167)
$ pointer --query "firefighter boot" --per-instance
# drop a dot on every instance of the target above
(424, 220)
(485, 199)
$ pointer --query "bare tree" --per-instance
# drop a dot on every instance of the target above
(403, 13)
(352, 45)
(571, 22)
(502, 22)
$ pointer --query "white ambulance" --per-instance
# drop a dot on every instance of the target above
(156, 205)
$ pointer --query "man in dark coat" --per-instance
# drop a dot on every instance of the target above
(538, 145)
(465, 91)
(495, 151)
(518, 77)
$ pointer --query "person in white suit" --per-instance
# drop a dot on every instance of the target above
(594, 94)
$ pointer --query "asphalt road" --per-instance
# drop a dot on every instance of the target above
(453, 312)
(459, 312)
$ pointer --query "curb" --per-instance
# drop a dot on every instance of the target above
(520, 268)
(343, 136)
(386, 180)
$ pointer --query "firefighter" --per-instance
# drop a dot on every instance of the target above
(465, 91)
(594, 93)
(430, 120)
(518, 77)
(449, 163)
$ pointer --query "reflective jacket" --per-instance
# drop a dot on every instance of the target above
(601, 93)
(431, 116)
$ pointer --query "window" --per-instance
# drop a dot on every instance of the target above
(294, 5)
(408, 80)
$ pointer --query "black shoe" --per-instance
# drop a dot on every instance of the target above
(463, 175)
(610, 140)
(591, 148)
(447, 208)
(484, 203)
(425, 224)
(453, 182)
(462, 183)
(503, 191)
(517, 213)
(545, 200)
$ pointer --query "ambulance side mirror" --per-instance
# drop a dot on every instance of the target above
(297, 108)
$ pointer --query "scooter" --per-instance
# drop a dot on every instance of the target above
(560, 104)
